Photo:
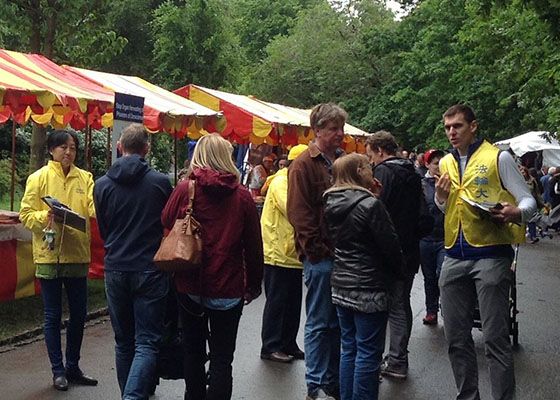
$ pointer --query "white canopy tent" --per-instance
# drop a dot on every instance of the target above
(534, 141)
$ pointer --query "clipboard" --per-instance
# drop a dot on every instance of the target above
(65, 213)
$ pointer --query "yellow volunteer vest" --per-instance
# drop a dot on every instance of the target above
(480, 183)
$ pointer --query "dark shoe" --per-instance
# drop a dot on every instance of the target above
(333, 391)
(277, 356)
(535, 240)
(319, 394)
(430, 319)
(394, 372)
(297, 354)
(60, 383)
(79, 378)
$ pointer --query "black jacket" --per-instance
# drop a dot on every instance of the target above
(403, 197)
(367, 251)
(437, 234)
(128, 203)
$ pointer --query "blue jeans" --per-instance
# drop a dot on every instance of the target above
(136, 303)
(76, 291)
(363, 342)
(431, 259)
(322, 332)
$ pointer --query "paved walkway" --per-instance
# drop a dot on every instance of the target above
(25, 372)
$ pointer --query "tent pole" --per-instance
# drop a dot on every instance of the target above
(108, 148)
(86, 143)
(175, 151)
(13, 163)
(90, 147)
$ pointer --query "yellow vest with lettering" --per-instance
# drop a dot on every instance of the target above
(480, 183)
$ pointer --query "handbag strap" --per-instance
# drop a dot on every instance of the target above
(189, 210)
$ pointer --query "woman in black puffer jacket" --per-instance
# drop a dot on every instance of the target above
(368, 259)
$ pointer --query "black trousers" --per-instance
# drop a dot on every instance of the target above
(283, 289)
(219, 329)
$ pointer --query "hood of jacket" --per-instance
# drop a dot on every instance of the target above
(339, 202)
(128, 170)
(402, 163)
(215, 183)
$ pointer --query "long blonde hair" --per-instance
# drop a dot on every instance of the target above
(214, 152)
(345, 171)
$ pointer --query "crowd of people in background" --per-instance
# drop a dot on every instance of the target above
(355, 227)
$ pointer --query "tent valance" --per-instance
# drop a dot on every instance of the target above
(164, 111)
(248, 119)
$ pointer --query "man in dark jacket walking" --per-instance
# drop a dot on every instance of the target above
(402, 196)
(129, 201)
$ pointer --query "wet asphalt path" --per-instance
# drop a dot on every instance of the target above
(25, 372)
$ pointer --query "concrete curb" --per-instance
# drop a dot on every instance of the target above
(32, 335)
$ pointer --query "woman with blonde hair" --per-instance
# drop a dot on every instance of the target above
(368, 259)
(212, 297)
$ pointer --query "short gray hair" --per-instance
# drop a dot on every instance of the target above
(326, 112)
(134, 139)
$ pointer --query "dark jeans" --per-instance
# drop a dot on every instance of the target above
(219, 328)
(362, 342)
(76, 291)
(532, 228)
(281, 316)
(400, 324)
(136, 303)
(431, 259)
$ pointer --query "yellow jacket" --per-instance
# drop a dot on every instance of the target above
(480, 183)
(76, 191)
(277, 233)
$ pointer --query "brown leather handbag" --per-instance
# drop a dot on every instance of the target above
(181, 250)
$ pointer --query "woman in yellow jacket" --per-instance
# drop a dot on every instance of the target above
(61, 253)
(282, 273)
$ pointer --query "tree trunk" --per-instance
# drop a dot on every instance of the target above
(38, 145)
(39, 134)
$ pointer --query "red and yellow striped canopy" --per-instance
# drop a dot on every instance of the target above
(33, 87)
(248, 119)
(164, 111)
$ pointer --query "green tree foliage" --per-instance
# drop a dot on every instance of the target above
(132, 21)
(260, 21)
(194, 43)
(62, 30)
(324, 57)
(65, 31)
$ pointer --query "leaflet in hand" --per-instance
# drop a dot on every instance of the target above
(65, 213)
(485, 207)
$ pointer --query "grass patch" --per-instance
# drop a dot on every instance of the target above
(20, 315)
(5, 201)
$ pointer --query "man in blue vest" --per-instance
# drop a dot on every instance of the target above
(478, 250)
